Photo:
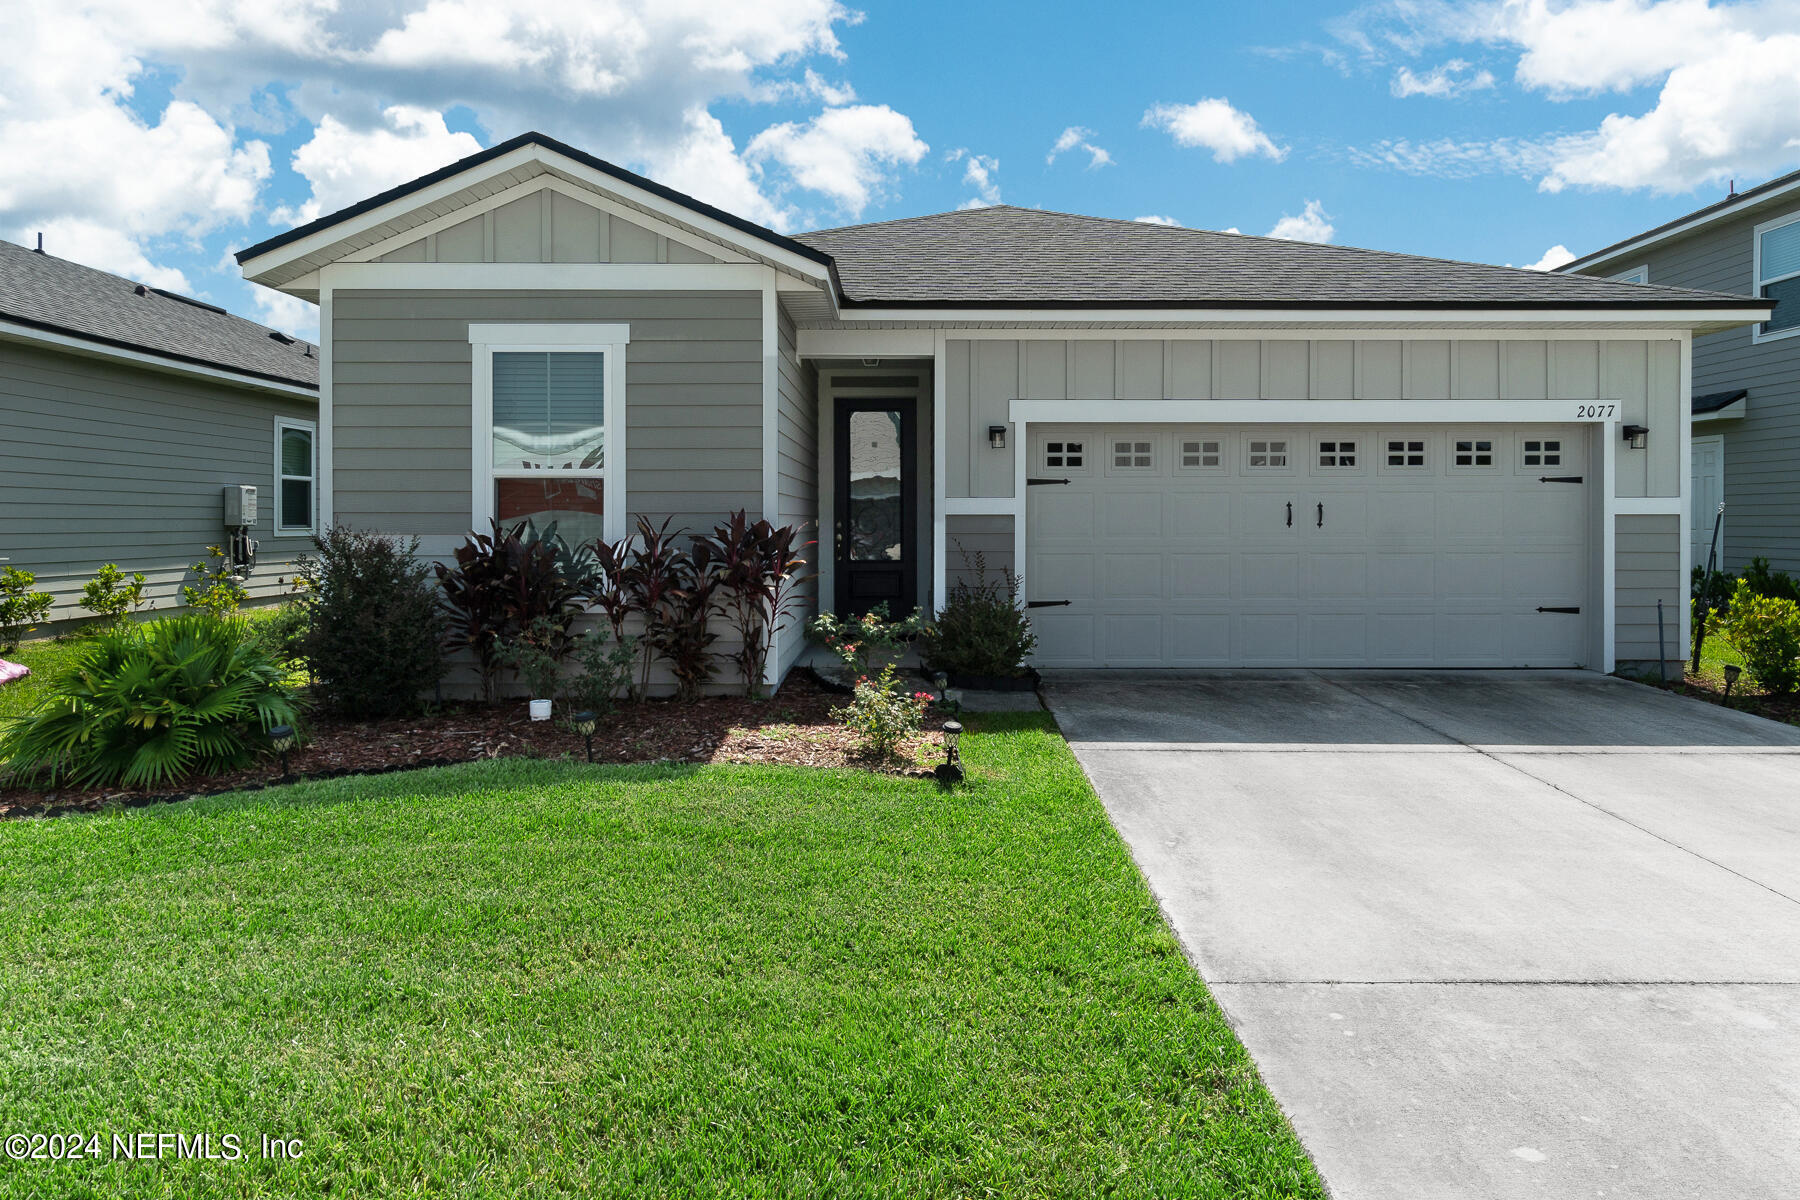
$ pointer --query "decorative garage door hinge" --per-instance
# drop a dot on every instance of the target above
(1576, 609)
(1559, 479)
(1033, 481)
(1047, 603)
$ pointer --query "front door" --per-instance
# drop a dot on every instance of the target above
(1709, 490)
(876, 505)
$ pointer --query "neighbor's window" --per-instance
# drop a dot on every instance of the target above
(551, 449)
(296, 476)
(1778, 274)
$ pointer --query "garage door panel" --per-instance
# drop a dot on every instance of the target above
(1410, 567)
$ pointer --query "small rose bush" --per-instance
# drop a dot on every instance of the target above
(882, 715)
(859, 641)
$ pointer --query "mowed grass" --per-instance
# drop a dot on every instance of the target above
(539, 978)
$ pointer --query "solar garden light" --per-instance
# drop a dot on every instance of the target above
(942, 681)
(281, 740)
(1732, 671)
(584, 725)
(951, 771)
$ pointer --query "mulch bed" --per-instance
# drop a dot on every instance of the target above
(1744, 698)
(794, 728)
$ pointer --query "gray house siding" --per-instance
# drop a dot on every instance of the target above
(983, 377)
(1648, 569)
(797, 425)
(401, 402)
(966, 536)
(102, 462)
(546, 226)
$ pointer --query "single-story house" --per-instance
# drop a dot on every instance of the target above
(1746, 379)
(1197, 449)
(127, 413)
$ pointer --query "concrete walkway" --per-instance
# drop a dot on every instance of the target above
(1486, 935)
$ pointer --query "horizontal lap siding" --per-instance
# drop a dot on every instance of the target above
(1648, 569)
(967, 536)
(797, 424)
(101, 462)
(401, 401)
(1762, 485)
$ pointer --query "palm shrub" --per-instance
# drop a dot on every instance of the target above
(149, 704)
(983, 629)
(111, 594)
(20, 608)
(370, 627)
(1765, 630)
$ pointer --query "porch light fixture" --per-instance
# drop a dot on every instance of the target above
(281, 740)
(1732, 671)
(1636, 435)
(997, 437)
(951, 771)
(584, 725)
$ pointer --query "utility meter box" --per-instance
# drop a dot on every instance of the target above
(240, 505)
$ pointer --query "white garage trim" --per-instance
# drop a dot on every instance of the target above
(1316, 412)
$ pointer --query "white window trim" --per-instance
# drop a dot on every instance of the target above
(1337, 437)
(311, 429)
(1496, 452)
(1757, 336)
(565, 337)
(1114, 436)
(1637, 274)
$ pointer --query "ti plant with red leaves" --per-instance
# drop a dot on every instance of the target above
(503, 582)
(759, 568)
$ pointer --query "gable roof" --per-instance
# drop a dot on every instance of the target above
(501, 150)
(53, 294)
(1730, 206)
(1028, 258)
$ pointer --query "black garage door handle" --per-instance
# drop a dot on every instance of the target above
(1321, 514)
(1290, 513)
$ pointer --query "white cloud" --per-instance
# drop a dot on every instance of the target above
(290, 314)
(834, 94)
(844, 153)
(1313, 224)
(346, 165)
(103, 248)
(1214, 124)
(1453, 78)
(1553, 258)
(978, 172)
(1153, 219)
(705, 164)
(1077, 137)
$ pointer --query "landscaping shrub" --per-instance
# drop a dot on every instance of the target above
(149, 704)
(882, 715)
(20, 608)
(682, 630)
(282, 633)
(537, 652)
(1764, 582)
(983, 629)
(1765, 630)
(112, 596)
(758, 566)
(367, 623)
(606, 665)
(654, 572)
(215, 589)
(502, 582)
(859, 641)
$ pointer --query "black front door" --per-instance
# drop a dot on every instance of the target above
(876, 505)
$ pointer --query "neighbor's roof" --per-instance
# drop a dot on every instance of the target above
(1731, 205)
(1714, 401)
(54, 294)
(1006, 257)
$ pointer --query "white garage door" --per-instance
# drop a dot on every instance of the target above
(1207, 546)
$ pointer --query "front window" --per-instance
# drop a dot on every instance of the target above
(1778, 274)
(548, 422)
(296, 477)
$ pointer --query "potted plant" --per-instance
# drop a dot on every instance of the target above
(537, 655)
(982, 638)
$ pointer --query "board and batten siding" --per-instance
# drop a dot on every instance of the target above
(1762, 450)
(797, 426)
(103, 462)
(546, 226)
(1647, 568)
(983, 376)
(401, 402)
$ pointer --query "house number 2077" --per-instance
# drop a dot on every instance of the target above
(1595, 412)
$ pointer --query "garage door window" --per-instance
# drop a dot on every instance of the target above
(1541, 452)
(1472, 454)
(1405, 454)
(1065, 455)
(1338, 455)
(1132, 456)
(1201, 454)
(1266, 455)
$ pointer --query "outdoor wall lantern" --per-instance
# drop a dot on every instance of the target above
(584, 725)
(950, 771)
(281, 740)
(997, 436)
(1636, 435)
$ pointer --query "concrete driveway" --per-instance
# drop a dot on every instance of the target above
(1486, 935)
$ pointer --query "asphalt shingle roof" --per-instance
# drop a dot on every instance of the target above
(52, 293)
(1017, 257)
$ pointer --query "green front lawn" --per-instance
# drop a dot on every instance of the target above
(528, 977)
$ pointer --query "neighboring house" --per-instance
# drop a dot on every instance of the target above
(1746, 382)
(1197, 449)
(125, 412)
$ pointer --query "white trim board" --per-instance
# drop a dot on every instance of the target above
(75, 344)
(590, 277)
(311, 429)
(771, 445)
(1757, 336)
(1299, 319)
(1312, 412)
(850, 347)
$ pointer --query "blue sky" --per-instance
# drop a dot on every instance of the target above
(1494, 131)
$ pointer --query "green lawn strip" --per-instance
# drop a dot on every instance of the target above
(527, 977)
